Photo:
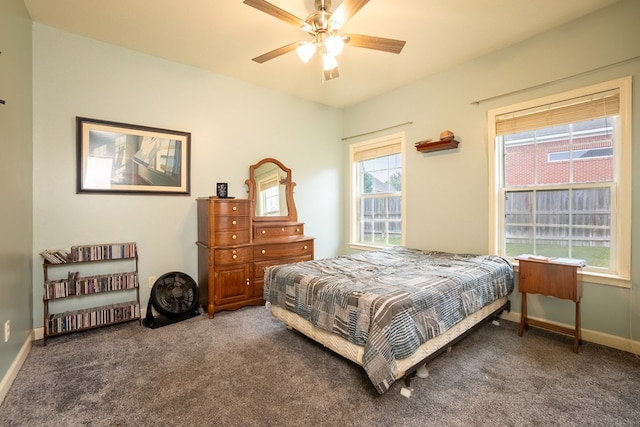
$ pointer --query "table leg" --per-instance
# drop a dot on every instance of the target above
(578, 333)
(523, 314)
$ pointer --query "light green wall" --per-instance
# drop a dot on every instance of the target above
(447, 192)
(15, 179)
(233, 124)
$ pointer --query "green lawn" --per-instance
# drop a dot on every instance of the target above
(393, 240)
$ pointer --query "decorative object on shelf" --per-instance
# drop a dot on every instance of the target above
(447, 142)
(221, 190)
(85, 288)
(446, 135)
(123, 158)
(175, 297)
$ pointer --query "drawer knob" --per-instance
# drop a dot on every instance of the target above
(234, 237)
(235, 208)
(235, 256)
(264, 252)
(234, 222)
(297, 230)
(264, 231)
(305, 247)
(282, 230)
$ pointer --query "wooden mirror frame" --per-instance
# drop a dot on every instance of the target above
(292, 213)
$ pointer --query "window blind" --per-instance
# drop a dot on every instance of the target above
(594, 106)
(269, 182)
(375, 152)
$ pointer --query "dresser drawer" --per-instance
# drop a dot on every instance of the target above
(271, 231)
(233, 256)
(227, 238)
(258, 267)
(231, 207)
(230, 223)
(282, 250)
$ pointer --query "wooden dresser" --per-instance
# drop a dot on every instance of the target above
(224, 254)
(235, 245)
(278, 243)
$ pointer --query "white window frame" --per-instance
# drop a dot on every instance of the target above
(266, 183)
(621, 204)
(394, 139)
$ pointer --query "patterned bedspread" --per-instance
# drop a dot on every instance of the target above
(389, 301)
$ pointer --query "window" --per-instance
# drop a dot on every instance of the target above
(376, 188)
(561, 169)
(269, 194)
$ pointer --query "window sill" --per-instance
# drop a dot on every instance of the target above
(365, 247)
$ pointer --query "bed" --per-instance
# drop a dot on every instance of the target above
(389, 310)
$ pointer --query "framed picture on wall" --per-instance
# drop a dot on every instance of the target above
(123, 158)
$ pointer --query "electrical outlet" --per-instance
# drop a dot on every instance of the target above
(7, 330)
(152, 280)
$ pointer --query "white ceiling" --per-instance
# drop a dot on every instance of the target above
(223, 36)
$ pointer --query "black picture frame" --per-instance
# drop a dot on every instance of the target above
(123, 158)
(221, 190)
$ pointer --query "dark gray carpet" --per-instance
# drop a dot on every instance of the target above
(245, 368)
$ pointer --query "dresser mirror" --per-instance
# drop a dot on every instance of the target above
(271, 191)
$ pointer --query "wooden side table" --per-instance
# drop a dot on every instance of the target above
(555, 277)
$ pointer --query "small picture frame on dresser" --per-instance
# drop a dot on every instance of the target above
(221, 190)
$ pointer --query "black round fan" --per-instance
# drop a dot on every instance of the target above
(175, 297)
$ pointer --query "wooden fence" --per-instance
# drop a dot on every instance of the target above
(554, 217)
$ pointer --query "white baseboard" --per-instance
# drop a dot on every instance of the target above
(11, 374)
(613, 341)
(38, 333)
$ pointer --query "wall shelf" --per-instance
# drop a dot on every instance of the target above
(429, 146)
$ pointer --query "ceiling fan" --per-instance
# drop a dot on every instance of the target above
(323, 26)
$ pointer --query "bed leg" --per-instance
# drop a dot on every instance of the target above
(422, 372)
(496, 317)
(408, 378)
(406, 392)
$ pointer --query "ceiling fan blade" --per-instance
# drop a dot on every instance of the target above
(276, 52)
(377, 43)
(346, 10)
(276, 12)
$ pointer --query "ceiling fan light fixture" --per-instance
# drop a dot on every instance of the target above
(334, 25)
(305, 51)
(323, 25)
(329, 62)
(330, 74)
(334, 45)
